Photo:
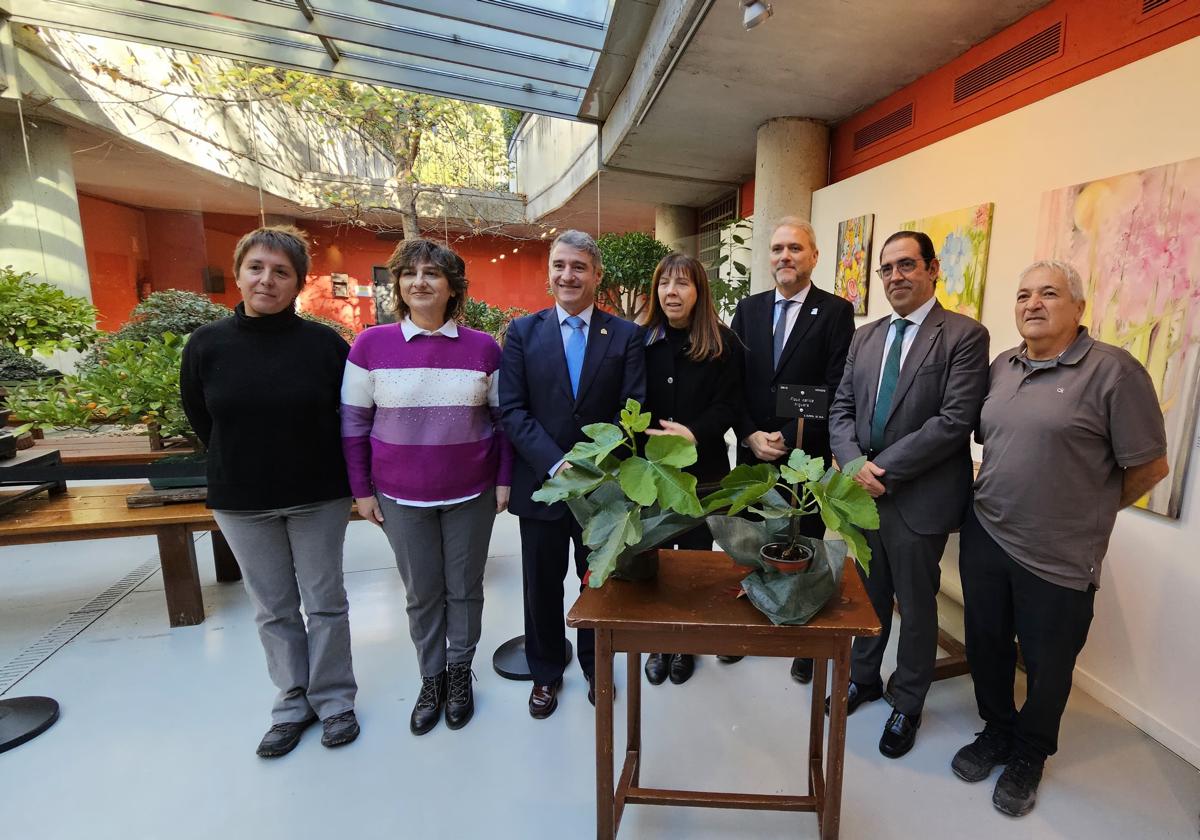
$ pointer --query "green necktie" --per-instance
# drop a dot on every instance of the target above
(887, 385)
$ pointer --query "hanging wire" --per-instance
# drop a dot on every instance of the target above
(262, 214)
(37, 221)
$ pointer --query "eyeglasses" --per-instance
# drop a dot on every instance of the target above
(905, 267)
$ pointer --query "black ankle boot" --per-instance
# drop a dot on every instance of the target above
(428, 710)
(460, 700)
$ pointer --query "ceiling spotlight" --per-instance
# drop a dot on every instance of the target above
(755, 12)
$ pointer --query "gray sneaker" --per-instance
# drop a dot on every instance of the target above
(339, 729)
(282, 738)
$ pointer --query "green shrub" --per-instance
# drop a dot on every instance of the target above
(337, 326)
(38, 316)
(15, 367)
(479, 315)
(169, 311)
(629, 263)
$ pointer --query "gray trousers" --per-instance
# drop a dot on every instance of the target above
(441, 552)
(291, 557)
(905, 566)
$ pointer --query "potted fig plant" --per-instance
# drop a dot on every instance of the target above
(795, 575)
(629, 499)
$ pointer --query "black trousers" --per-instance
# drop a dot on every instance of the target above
(1004, 600)
(905, 570)
(545, 545)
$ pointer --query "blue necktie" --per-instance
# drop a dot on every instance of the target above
(781, 327)
(887, 385)
(576, 344)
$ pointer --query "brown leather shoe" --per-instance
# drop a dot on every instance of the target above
(543, 699)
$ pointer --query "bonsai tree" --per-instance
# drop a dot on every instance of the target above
(631, 504)
(16, 367)
(800, 488)
(132, 382)
(168, 311)
(43, 318)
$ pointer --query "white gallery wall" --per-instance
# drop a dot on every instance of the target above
(1143, 654)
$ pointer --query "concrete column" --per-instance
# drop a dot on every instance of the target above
(45, 204)
(675, 227)
(791, 161)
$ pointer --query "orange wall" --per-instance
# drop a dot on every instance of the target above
(117, 256)
(171, 249)
(1098, 36)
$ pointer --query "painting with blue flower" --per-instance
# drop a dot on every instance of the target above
(961, 238)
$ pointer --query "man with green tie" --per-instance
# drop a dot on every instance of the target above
(909, 399)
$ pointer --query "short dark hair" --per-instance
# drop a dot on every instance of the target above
(928, 252)
(286, 239)
(410, 253)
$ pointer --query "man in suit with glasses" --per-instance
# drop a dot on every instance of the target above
(909, 400)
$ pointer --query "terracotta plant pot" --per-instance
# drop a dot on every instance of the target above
(777, 556)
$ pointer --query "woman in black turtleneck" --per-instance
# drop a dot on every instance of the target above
(262, 390)
(693, 383)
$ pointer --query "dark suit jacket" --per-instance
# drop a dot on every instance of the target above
(815, 354)
(704, 396)
(538, 413)
(926, 449)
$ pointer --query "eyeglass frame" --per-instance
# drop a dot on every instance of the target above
(904, 272)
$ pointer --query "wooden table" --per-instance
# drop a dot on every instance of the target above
(100, 512)
(690, 608)
(107, 449)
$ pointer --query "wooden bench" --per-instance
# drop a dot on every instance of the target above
(100, 512)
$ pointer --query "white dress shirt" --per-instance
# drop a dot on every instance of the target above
(915, 319)
(565, 330)
(793, 311)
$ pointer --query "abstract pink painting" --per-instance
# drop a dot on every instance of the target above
(1135, 240)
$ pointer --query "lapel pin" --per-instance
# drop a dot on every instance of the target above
(603, 331)
(814, 311)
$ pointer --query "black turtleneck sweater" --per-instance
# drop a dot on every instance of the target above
(263, 394)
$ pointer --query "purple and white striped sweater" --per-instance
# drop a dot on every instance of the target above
(417, 421)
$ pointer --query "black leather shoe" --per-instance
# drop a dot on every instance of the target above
(282, 738)
(460, 699)
(728, 660)
(682, 666)
(656, 667)
(543, 699)
(899, 734)
(802, 671)
(428, 709)
(859, 694)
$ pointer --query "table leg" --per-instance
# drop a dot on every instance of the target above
(605, 816)
(633, 717)
(836, 756)
(181, 578)
(816, 731)
(223, 560)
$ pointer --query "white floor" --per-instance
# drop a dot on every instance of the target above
(159, 726)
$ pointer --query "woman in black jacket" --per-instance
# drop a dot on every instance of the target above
(693, 383)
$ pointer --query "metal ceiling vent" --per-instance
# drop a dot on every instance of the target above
(1033, 50)
(885, 126)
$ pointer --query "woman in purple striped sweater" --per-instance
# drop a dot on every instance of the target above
(429, 464)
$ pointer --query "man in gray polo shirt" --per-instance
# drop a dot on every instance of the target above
(1071, 432)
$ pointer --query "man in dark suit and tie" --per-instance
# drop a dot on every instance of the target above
(909, 400)
(562, 369)
(794, 334)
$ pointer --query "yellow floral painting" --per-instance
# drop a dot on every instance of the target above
(961, 239)
(853, 277)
